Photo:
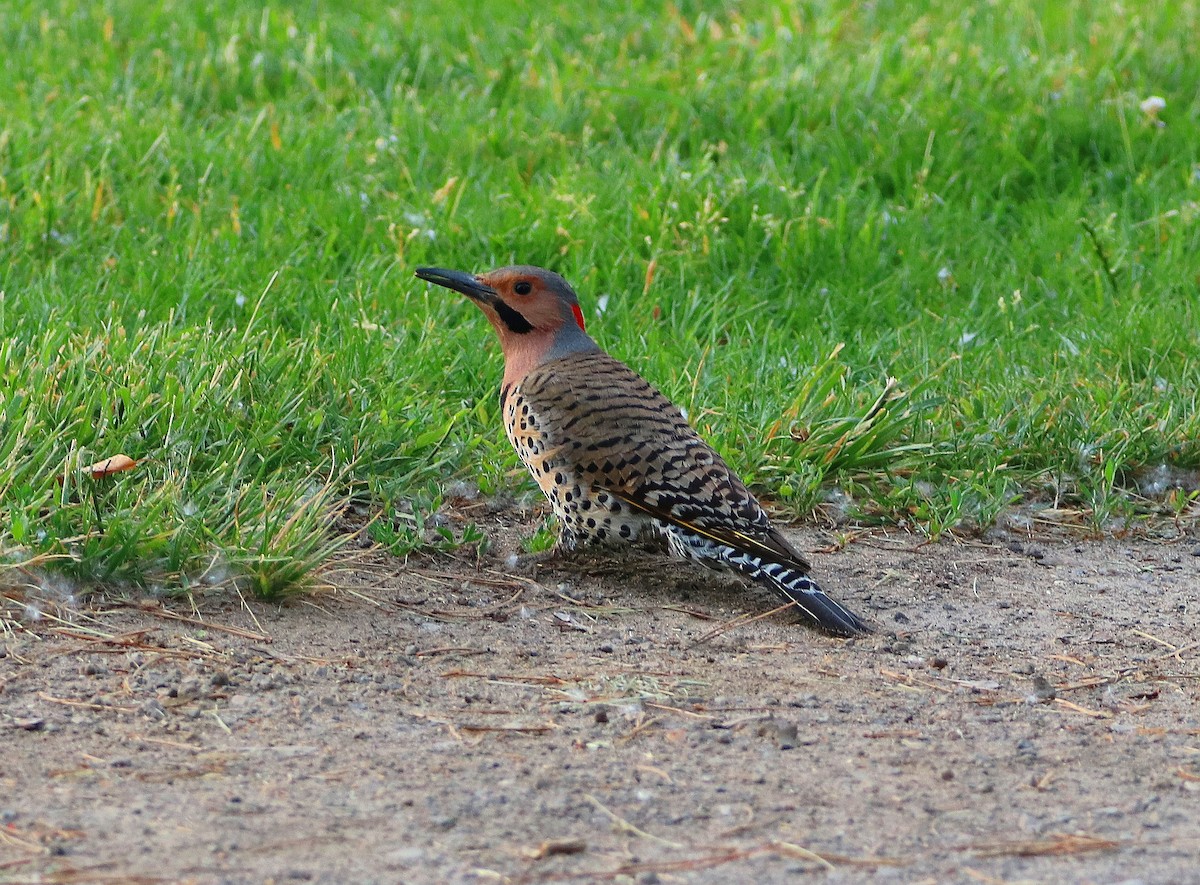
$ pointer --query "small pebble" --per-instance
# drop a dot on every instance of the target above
(784, 732)
(1043, 691)
(561, 847)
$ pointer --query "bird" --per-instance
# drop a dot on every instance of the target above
(618, 461)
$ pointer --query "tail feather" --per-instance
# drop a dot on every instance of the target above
(810, 599)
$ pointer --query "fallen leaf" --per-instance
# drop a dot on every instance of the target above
(650, 269)
(439, 196)
(109, 466)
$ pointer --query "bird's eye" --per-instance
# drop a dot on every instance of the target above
(524, 287)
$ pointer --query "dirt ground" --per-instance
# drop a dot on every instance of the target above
(1027, 711)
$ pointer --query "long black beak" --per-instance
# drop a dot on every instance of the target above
(459, 281)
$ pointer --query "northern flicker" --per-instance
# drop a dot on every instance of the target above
(614, 456)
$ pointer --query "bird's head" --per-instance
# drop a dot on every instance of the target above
(534, 311)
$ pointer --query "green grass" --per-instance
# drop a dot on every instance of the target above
(209, 216)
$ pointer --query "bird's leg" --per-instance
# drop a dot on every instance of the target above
(528, 563)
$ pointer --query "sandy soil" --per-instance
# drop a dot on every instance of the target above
(1026, 711)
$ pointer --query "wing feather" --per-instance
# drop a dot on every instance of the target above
(621, 435)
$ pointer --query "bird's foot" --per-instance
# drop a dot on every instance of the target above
(529, 563)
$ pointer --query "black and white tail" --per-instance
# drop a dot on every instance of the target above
(810, 600)
(802, 590)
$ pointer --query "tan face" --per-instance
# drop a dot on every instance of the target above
(525, 294)
(533, 310)
(519, 301)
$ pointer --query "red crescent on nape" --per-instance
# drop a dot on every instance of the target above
(578, 316)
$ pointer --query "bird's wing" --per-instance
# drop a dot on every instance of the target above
(718, 525)
(623, 436)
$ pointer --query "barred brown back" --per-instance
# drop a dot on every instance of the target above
(588, 425)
